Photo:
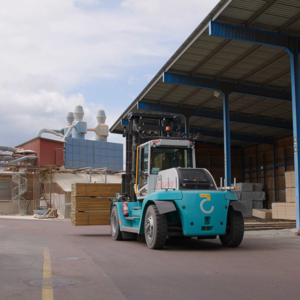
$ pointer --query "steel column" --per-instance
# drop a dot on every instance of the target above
(274, 170)
(227, 153)
(295, 85)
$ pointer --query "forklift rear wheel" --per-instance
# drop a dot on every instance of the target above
(234, 229)
(155, 228)
(116, 234)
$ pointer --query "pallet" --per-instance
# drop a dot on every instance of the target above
(89, 218)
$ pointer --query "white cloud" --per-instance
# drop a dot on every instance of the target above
(49, 47)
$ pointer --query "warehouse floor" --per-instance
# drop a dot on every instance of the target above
(85, 263)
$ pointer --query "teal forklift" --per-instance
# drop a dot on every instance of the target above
(164, 195)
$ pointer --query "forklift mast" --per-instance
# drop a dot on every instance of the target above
(143, 127)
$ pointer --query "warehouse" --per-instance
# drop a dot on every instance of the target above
(236, 81)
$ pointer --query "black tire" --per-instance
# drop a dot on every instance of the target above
(234, 229)
(155, 228)
(116, 234)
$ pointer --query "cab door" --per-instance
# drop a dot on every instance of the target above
(143, 171)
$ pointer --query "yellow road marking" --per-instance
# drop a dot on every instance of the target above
(47, 286)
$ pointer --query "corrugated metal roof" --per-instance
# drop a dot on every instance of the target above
(212, 57)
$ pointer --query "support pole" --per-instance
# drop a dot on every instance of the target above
(256, 160)
(265, 180)
(274, 169)
(242, 165)
(295, 86)
(226, 125)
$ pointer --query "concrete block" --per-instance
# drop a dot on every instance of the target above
(76, 149)
(257, 187)
(248, 213)
(238, 194)
(68, 148)
(257, 204)
(245, 186)
(259, 196)
(246, 196)
(248, 203)
(76, 156)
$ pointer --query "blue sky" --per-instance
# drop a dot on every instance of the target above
(98, 53)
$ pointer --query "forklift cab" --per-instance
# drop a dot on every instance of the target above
(158, 155)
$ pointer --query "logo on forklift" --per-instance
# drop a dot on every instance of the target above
(205, 200)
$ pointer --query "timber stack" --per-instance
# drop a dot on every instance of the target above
(90, 203)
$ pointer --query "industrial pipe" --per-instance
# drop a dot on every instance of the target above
(10, 149)
(18, 160)
(51, 131)
(69, 130)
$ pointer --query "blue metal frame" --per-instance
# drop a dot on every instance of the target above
(227, 152)
(255, 36)
(209, 114)
(226, 86)
(295, 84)
(292, 45)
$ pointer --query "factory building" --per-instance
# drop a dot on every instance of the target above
(34, 174)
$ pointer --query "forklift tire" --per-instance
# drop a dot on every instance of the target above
(116, 233)
(155, 228)
(234, 229)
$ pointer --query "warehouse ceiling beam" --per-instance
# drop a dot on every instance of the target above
(209, 114)
(226, 86)
(255, 36)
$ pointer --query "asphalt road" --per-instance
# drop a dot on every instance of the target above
(45, 260)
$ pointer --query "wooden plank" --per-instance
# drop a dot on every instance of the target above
(95, 189)
(89, 218)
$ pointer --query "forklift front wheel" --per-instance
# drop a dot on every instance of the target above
(234, 229)
(116, 234)
(155, 228)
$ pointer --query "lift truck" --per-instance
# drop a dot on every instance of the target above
(164, 195)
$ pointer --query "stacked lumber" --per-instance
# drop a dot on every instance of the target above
(290, 187)
(265, 214)
(90, 204)
(284, 211)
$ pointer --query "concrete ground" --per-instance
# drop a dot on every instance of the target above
(50, 259)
